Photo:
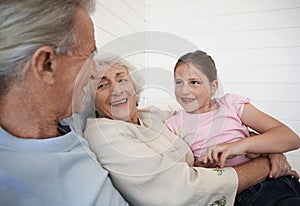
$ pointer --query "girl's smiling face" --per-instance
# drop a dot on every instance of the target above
(193, 90)
(116, 95)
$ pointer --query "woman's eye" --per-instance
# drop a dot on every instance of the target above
(101, 86)
(123, 80)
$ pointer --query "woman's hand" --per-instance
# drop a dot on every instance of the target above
(280, 166)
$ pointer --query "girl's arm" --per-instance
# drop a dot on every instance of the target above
(274, 137)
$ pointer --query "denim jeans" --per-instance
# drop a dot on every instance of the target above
(283, 191)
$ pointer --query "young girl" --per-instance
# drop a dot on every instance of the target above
(216, 128)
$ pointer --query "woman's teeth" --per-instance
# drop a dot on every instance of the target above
(118, 102)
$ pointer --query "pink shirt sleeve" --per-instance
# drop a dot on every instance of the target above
(236, 102)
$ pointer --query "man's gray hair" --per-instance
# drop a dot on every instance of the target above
(27, 25)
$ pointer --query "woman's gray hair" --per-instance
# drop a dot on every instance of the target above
(27, 25)
(107, 60)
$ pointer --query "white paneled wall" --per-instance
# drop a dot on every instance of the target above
(115, 18)
(255, 44)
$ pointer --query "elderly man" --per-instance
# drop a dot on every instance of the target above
(44, 46)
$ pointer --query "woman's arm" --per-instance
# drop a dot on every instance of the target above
(249, 174)
(256, 170)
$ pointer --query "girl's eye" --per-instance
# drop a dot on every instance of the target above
(195, 83)
(178, 83)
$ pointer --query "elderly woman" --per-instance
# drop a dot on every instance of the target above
(147, 163)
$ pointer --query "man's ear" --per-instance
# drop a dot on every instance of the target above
(213, 87)
(42, 64)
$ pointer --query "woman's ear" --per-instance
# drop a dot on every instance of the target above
(213, 87)
(42, 64)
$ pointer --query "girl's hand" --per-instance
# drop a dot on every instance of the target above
(280, 166)
(220, 152)
(204, 161)
(200, 163)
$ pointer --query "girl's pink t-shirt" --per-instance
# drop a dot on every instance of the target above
(207, 129)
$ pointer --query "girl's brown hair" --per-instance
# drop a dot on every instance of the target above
(200, 60)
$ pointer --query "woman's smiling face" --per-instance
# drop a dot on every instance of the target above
(116, 95)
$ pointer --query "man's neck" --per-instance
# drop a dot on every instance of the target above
(24, 119)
